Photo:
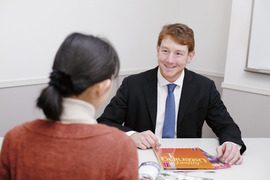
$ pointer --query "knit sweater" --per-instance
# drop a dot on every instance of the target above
(44, 149)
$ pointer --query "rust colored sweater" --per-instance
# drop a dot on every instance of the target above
(44, 149)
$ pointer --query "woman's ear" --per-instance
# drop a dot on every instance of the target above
(103, 86)
(96, 94)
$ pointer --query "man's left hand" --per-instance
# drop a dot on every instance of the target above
(230, 154)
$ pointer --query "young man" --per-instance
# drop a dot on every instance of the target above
(139, 107)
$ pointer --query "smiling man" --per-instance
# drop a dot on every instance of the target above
(170, 101)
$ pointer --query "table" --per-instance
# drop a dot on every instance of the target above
(256, 164)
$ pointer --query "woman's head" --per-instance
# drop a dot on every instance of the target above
(80, 62)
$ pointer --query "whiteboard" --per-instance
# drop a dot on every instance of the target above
(31, 32)
(259, 50)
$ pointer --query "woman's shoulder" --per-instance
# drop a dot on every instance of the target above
(18, 129)
(16, 133)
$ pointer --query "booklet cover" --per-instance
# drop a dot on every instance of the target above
(218, 164)
(182, 158)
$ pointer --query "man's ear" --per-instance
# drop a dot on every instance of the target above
(190, 56)
(103, 86)
(158, 49)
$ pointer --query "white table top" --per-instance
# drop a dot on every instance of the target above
(256, 164)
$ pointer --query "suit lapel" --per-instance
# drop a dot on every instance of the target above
(150, 92)
(186, 96)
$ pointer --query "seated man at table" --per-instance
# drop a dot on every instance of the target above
(142, 109)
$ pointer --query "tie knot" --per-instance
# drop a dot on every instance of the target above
(171, 87)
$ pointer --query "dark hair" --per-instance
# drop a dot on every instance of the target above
(180, 33)
(80, 62)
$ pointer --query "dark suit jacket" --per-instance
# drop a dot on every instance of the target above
(135, 107)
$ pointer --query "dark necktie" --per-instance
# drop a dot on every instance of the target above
(169, 122)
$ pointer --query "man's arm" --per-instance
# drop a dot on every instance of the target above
(221, 122)
(115, 112)
(228, 132)
(134, 108)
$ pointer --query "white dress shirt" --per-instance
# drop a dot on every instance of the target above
(162, 90)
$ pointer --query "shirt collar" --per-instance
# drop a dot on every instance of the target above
(163, 82)
(77, 111)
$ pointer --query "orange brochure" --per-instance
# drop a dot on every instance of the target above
(182, 158)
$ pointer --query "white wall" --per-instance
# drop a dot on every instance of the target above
(31, 32)
(246, 94)
(210, 20)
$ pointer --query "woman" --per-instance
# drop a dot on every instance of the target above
(68, 143)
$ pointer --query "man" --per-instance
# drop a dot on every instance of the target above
(139, 107)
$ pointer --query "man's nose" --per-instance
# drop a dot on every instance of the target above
(170, 58)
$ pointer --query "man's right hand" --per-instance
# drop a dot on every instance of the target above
(146, 139)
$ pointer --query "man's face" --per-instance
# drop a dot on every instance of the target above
(173, 58)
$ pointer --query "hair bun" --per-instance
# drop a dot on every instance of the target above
(62, 82)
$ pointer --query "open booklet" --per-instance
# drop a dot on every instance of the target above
(177, 163)
(178, 176)
(151, 170)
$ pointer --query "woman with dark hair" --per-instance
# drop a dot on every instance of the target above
(68, 143)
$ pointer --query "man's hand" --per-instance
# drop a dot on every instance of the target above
(230, 153)
(145, 139)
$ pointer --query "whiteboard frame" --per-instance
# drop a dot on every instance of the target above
(249, 69)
